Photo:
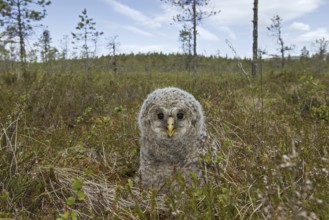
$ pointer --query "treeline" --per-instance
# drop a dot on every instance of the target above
(158, 62)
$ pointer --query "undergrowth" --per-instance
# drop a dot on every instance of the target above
(69, 147)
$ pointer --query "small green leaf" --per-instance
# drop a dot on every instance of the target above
(197, 193)
(107, 119)
(65, 216)
(118, 109)
(74, 215)
(70, 201)
(77, 185)
(88, 171)
(81, 196)
(130, 183)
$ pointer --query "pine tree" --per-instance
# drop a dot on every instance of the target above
(86, 33)
(18, 18)
(192, 14)
(320, 56)
(47, 52)
(276, 31)
(113, 45)
(304, 53)
(185, 37)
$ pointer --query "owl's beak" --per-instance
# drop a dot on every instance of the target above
(170, 126)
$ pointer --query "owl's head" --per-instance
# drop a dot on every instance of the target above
(171, 114)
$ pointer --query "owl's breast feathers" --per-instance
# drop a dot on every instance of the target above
(160, 162)
(172, 152)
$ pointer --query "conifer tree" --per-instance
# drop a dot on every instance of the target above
(19, 18)
(192, 14)
(276, 31)
(47, 52)
(87, 34)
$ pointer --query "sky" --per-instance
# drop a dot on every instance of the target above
(147, 25)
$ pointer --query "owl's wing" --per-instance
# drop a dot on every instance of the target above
(209, 160)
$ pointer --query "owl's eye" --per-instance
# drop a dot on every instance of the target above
(180, 115)
(161, 116)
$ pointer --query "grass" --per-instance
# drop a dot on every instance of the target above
(69, 147)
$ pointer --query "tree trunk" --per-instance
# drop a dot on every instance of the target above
(85, 38)
(194, 35)
(255, 39)
(22, 52)
(282, 51)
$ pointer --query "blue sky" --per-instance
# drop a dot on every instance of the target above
(144, 25)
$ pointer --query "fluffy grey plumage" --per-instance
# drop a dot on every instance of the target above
(172, 128)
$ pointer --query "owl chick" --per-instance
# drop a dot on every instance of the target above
(171, 123)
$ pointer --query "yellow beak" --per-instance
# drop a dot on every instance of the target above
(170, 126)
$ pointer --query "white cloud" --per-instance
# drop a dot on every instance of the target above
(138, 31)
(311, 36)
(240, 12)
(299, 26)
(287, 10)
(206, 35)
(168, 12)
(230, 12)
(228, 31)
(134, 14)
